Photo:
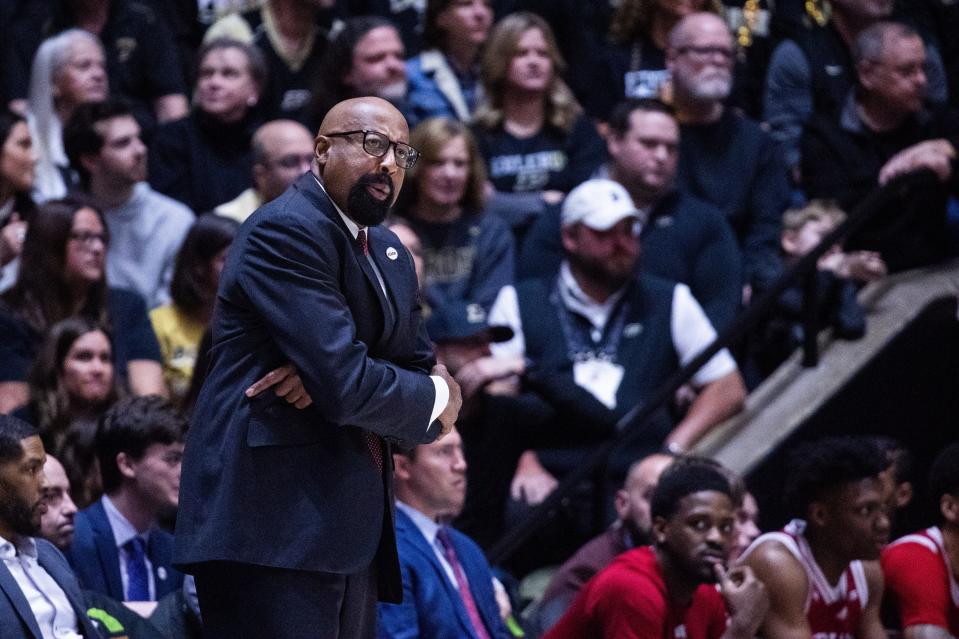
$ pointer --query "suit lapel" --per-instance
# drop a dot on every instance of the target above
(389, 315)
(390, 256)
(474, 586)
(57, 573)
(11, 589)
(107, 551)
(308, 185)
(161, 574)
(422, 546)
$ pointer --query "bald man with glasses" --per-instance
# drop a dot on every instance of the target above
(286, 515)
(282, 152)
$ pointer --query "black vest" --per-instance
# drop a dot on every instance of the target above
(645, 351)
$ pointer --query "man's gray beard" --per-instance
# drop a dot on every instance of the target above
(393, 92)
(710, 88)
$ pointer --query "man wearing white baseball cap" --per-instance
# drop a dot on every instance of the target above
(616, 333)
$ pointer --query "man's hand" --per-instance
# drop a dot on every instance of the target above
(936, 155)
(553, 197)
(288, 386)
(865, 266)
(448, 417)
(483, 370)
(532, 483)
(746, 599)
(502, 600)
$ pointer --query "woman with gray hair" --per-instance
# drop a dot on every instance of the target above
(69, 69)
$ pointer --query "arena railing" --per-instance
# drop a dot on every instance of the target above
(630, 424)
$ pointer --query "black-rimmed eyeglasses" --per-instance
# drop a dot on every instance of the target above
(377, 145)
(701, 54)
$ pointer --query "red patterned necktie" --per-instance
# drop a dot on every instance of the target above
(373, 441)
(443, 536)
(361, 238)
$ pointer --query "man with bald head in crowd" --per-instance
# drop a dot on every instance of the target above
(631, 529)
(282, 152)
(286, 517)
(725, 158)
(57, 523)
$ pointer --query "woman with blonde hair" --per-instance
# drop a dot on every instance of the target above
(537, 142)
(468, 255)
(635, 57)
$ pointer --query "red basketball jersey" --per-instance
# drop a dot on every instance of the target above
(920, 581)
(833, 611)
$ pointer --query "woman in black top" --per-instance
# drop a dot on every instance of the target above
(205, 159)
(537, 142)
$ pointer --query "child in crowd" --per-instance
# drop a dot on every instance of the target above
(840, 275)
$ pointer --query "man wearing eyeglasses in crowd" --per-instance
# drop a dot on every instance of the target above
(725, 158)
(282, 152)
(286, 514)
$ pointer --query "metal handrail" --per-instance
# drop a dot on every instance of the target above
(628, 426)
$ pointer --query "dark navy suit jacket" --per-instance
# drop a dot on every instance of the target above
(96, 562)
(265, 483)
(432, 607)
(16, 618)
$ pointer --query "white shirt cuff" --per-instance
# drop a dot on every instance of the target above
(442, 398)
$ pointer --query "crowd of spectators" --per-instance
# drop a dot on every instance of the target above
(602, 188)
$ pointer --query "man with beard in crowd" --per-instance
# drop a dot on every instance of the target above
(286, 518)
(724, 158)
(39, 591)
(102, 140)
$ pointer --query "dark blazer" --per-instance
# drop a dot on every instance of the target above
(265, 483)
(96, 562)
(432, 607)
(16, 618)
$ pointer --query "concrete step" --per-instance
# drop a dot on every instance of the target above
(784, 401)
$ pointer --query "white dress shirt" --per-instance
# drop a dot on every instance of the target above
(51, 608)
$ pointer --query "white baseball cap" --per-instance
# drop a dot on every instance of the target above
(599, 204)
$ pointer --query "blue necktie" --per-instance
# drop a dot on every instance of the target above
(138, 581)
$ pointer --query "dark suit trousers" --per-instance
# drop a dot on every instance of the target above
(242, 600)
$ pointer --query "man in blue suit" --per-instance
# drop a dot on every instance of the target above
(117, 548)
(447, 584)
(286, 517)
(38, 593)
